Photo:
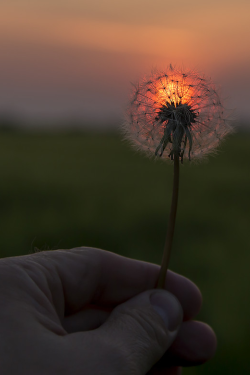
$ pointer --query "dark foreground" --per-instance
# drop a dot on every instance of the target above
(67, 190)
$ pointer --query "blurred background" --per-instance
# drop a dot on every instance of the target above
(69, 179)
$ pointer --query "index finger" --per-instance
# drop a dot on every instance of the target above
(94, 276)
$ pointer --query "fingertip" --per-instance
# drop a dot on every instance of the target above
(195, 344)
(187, 292)
(209, 345)
(169, 308)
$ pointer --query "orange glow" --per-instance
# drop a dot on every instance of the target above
(172, 112)
(173, 91)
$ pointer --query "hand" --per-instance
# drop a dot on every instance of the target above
(86, 311)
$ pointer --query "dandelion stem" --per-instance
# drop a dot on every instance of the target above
(171, 225)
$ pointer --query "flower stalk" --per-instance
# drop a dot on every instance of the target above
(175, 115)
(171, 225)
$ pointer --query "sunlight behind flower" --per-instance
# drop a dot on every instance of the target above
(176, 111)
(173, 90)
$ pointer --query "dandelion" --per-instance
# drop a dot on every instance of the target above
(175, 115)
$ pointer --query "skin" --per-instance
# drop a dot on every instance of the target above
(88, 311)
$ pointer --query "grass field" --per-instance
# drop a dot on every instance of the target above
(71, 189)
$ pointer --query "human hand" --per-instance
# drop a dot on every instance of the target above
(87, 311)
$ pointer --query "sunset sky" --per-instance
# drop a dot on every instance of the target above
(65, 59)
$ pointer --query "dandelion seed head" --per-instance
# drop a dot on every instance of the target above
(176, 112)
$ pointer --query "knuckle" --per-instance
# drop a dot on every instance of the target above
(149, 328)
(117, 355)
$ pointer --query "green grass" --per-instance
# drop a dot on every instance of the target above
(67, 190)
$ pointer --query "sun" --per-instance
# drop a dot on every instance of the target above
(173, 90)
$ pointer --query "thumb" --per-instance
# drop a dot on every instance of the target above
(142, 329)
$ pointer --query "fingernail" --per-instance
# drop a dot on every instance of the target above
(168, 307)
